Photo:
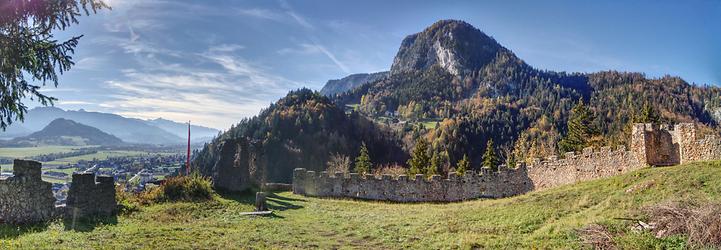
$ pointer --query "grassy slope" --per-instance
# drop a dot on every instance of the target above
(544, 219)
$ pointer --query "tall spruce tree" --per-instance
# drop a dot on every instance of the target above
(363, 162)
(463, 165)
(490, 160)
(419, 159)
(580, 129)
(435, 165)
(647, 114)
(31, 56)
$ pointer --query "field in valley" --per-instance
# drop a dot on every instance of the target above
(27, 152)
(543, 219)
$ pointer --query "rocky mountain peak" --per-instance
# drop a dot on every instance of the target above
(456, 46)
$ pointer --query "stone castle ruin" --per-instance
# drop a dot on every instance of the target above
(651, 145)
(26, 198)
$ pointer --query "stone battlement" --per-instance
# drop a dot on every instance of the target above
(26, 198)
(651, 145)
(91, 195)
(404, 189)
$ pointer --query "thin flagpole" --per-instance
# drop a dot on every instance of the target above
(187, 161)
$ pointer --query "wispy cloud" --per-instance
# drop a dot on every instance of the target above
(315, 48)
(300, 20)
(261, 13)
(226, 48)
(74, 102)
(220, 90)
(89, 63)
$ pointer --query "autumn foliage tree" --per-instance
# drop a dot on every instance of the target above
(463, 165)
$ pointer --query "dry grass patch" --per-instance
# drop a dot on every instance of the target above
(701, 224)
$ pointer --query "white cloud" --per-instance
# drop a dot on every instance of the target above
(89, 63)
(213, 96)
(72, 102)
(261, 13)
(226, 48)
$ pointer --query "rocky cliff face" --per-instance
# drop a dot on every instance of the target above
(456, 46)
(716, 113)
(344, 84)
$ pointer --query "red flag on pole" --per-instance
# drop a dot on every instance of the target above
(187, 162)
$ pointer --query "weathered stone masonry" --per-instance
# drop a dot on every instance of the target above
(91, 196)
(26, 198)
(650, 145)
(418, 189)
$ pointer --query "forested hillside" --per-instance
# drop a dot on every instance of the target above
(457, 88)
(304, 129)
(522, 109)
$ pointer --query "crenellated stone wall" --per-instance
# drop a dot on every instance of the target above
(654, 145)
(417, 189)
(91, 195)
(588, 165)
(25, 197)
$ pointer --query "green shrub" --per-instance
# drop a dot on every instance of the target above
(185, 188)
(127, 201)
(180, 188)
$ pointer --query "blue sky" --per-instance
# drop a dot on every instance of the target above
(215, 62)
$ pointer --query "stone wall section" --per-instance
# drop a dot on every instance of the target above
(25, 197)
(694, 149)
(237, 166)
(472, 185)
(590, 164)
(91, 195)
(651, 145)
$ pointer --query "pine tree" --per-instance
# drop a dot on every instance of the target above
(419, 159)
(580, 129)
(462, 166)
(435, 164)
(363, 162)
(647, 115)
(490, 160)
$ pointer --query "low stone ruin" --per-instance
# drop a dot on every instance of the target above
(91, 195)
(26, 198)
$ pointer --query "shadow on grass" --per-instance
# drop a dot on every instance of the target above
(275, 202)
(275, 196)
(245, 197)
(9, 231)
(280, 205)
(88, 224)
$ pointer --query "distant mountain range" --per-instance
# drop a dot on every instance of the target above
(67, 133)
(131, 130)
